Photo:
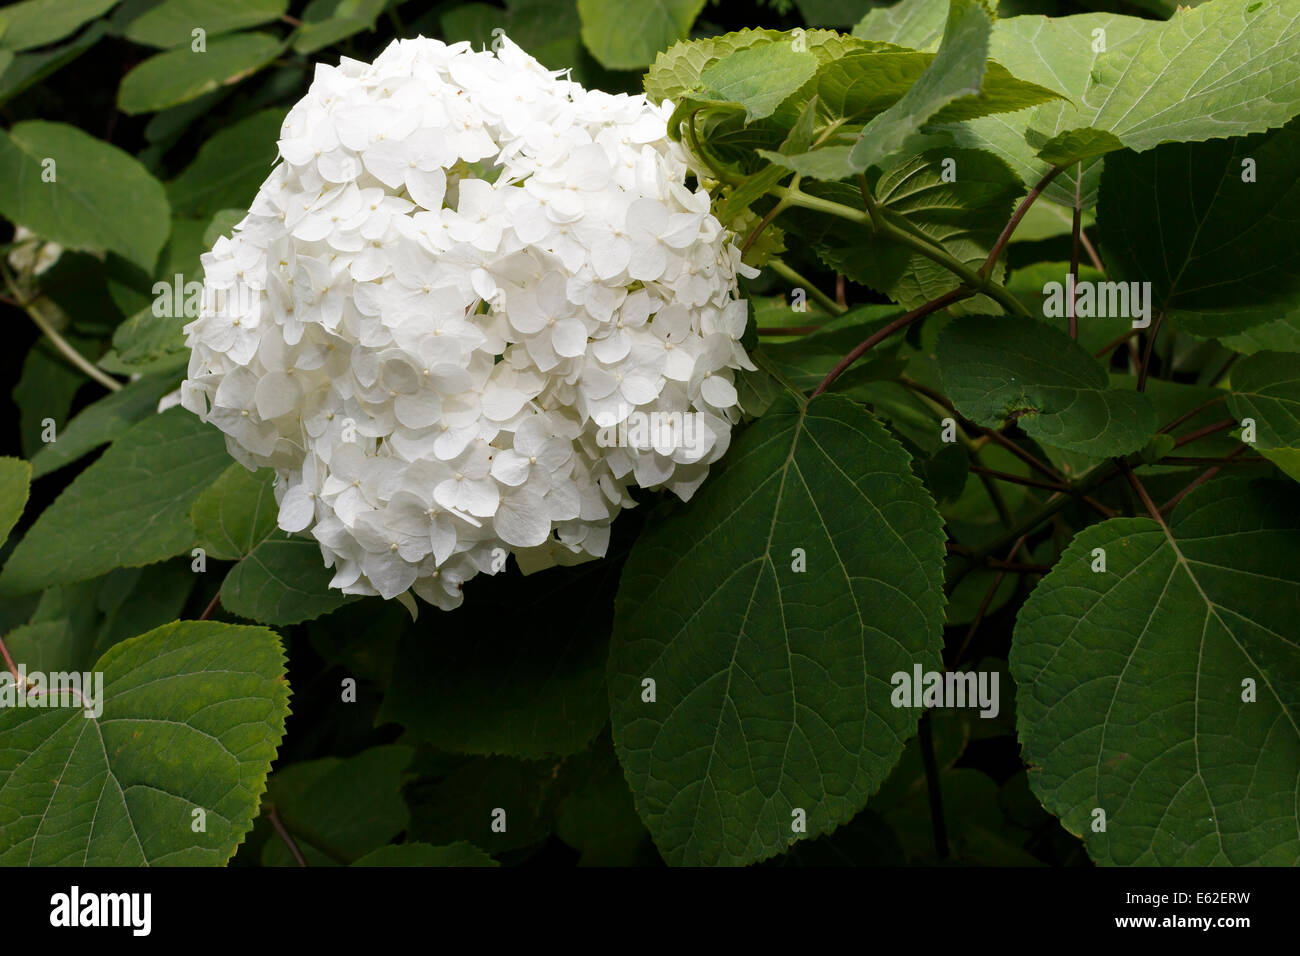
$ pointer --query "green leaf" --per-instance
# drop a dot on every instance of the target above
(828, 163)
(1076, 145)
(237, 513)
(223, 223)
(171, 23)
(474, 22)
(957, 71)
(999, 368)
(338, 810)
(130, 508)
(46, 389)
(1046, 220)
(549, 31)
(20, 72)
(192, 715)
(1060, 53)
(678, 70)
(15, 483)
(627, 38)
(102, 422)
(912, 23)
(759, 78)
(1266, 387)
(1041, 289)
(326, 22)
(135, 600)
(786, 670)
(180, 75)
(99, 199)
(965, 216)
(1131, 682)
(425, 854)
(282, 581)
(38, 22)
(831, 13)
(1280, 335)
(1221, 254)
(806, 359)
(534, 645)
(755, 186)
(597, 817)
(465, 804)
(1204, 74)
(148, 344)
(229, 167)
(1227, 68)
(1286, 459)
(860, 85)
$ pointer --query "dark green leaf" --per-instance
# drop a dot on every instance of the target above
(788, 669)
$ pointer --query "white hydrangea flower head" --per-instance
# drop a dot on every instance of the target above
(469, 308)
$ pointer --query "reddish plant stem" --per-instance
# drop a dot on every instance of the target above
(1210, 429)
(997, 437)
(212, 606)
(9, 661)
(1145, 369)
(1019, 567)
(1017, 479)
(1226, 460)
(1028, 458)
(1076, 227)
(1014, 221)
(947, 299)
(1092, 251)
(1192, 414)
(1199, 480)
(988, 599)
(1218, 376)
(1142, 494)
(1111, 346)
(285, 836)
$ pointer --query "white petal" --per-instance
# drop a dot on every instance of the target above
(522, 521)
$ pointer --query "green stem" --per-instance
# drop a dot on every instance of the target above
(889, 231)
(1054, 504)
(766, 221)
(59, 342)
(721, 175)
(789, 275)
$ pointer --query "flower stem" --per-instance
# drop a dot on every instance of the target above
(72, 355)
(780, 267)
(887, 230)
(881, 334)
(1014, 221)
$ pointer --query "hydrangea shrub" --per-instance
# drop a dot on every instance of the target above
(770, 401)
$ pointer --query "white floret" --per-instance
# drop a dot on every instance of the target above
(471, 305)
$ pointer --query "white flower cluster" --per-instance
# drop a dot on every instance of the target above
(464, 277)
